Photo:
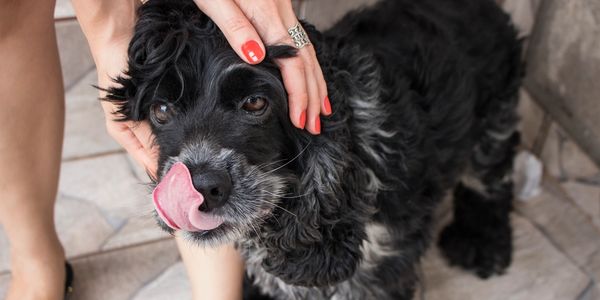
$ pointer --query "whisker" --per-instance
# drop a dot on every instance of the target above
(291, 160)
(271, 203)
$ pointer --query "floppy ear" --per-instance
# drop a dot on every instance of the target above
(316, 239)
(162, 33)
(317, 243)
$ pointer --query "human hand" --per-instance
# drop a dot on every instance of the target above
(108, 27)
(247, 24)
(135, 137)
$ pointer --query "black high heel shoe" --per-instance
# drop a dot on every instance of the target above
(69, 278)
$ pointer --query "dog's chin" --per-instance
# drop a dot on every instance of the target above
(226, 233)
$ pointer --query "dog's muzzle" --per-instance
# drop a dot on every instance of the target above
(178, 203)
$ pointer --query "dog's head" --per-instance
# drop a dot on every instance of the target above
(227, 122)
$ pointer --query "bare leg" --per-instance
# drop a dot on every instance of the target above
(32, 114)
(214, 273)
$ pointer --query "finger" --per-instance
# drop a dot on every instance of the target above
(238, 31)
(144, 135)
(323, 94)
(123, 134)
(294, 80)
(314, 101)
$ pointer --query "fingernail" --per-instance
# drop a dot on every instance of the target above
(303, 119)
(318, 125)
(327, 106)
(252, 51)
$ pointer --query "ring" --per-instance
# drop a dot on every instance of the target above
(299, 36)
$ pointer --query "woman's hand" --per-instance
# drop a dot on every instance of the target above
(108, 27)
(247, 24)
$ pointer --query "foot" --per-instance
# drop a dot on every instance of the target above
(484, 251)
(39, 275)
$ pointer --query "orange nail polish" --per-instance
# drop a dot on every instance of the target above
(252, 51)
(303, 119)
(327, 106)
(318, 125)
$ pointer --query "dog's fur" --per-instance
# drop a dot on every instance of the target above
(423, 95)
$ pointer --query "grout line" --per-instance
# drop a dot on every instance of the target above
(93, 155)
(92, 254)
(154, 278)
(65, 19)
(554, 244)
(80, 80)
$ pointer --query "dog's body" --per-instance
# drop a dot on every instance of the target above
(423, 95)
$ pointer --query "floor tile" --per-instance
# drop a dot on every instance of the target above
(137, 230)
(81, 226)
(532, 275)
(75, 56)
(85, 130)
(532, 117)
(4, 279)
(586, 196)
(564, 159)
(118, 274)
(108, 183)
(565, 224)
(63, 9)
(171, 284)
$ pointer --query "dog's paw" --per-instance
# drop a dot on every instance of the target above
(485, 251)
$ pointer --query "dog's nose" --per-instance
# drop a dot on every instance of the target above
(214, 185)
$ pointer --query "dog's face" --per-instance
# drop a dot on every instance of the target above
(225, 120)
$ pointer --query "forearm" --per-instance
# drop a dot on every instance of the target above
(214, 273)
(106, 20)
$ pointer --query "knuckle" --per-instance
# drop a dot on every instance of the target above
(236, 25)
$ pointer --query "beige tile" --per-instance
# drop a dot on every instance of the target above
(532, 275)
(324, 13)
(118, 274)
(85, 132)
(522, 13)
(137, 230)
(563, 159)
(563, 222)
(4, 249)
(63, 9)
(81, 226)
(172, 284)
(108, 183)
(75, 57)
(587, 197)
(532, 117)
(4, 280)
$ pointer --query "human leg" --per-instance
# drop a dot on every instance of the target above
(32, 113)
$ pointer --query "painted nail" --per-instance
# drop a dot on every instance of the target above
(303, 119)
(252, 51)
(327, 106)
(318, 125)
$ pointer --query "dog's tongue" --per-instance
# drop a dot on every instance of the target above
(177, 201)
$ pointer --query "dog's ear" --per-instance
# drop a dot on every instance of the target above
(316, 239)
(162, 33)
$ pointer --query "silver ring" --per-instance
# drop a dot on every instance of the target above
(299, 36)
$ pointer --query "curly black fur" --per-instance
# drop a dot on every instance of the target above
(423, 95)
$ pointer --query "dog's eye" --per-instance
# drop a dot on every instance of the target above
(254, 104)
(162, 112)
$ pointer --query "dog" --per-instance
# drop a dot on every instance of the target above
(424, 97)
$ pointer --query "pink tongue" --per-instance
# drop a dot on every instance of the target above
(177, 201)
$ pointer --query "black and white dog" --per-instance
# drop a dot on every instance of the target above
(424, 96)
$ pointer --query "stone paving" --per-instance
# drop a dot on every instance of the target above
(103, 209)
